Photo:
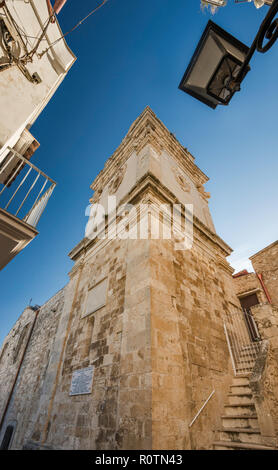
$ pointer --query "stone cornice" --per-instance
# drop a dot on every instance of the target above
(148, 129)
(135, 196)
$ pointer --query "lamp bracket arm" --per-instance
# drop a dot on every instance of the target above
(268, 30)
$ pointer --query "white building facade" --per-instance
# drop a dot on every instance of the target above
(34, 60)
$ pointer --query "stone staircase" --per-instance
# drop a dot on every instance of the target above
(246, 358)
(240, 427)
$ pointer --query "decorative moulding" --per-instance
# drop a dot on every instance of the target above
(181, 180)
(117, 180)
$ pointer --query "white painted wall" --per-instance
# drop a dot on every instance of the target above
(20, 100)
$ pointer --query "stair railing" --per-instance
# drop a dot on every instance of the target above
(243, 341)
(201, 409)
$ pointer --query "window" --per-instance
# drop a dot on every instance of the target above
(249, 301)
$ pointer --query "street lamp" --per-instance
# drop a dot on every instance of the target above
(220, 61)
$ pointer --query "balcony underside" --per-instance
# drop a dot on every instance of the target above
(14, 236)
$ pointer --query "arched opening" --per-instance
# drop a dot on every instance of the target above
(5, 444)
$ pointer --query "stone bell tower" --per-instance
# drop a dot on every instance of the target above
(142, 320)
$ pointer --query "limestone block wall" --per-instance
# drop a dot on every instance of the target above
(134, 422)
(189, 351)
(11, 353)
(157, 345)
(269, 385)
(266, 370)
(265, 262)
(266, 317)
(24, 402)
(115, 339)
(246, 283)
(154, 330)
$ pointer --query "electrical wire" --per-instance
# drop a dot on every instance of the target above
(34, 50)
(28, 56)
(39, 37)
(13, 60)
(15, 25)
(74, 28)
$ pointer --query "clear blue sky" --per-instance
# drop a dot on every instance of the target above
(133, 53)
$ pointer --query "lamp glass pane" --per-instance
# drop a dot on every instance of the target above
(219, 85)
(205, 66)
(204, 78)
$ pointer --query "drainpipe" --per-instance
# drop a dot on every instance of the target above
(18, 370)
(260, 277)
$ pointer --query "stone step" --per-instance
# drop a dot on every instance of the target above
(251, 347)
(242, 398)
(240, 389)
(240, 435)
(241, 381)
(248, 353)
(240, 421)
(239, 409)
(225, 445)
(245, 370)
(245, 365)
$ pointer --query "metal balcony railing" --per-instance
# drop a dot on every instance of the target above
(24, 189)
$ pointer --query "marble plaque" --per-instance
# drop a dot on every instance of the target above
(82, 381)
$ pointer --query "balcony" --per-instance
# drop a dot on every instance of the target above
(24, 194)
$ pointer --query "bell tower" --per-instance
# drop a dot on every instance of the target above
(140, 343)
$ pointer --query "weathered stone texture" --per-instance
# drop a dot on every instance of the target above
(249, 282)
(11, 354)
(157, 342)
(265, 314)
(25, 399)
(265, 262)
(89, 421)
(189, 352)
(270, 389)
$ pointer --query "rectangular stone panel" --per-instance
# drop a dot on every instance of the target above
(96, 297)
(82, 381)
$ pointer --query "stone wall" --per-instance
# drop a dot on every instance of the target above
(11, 354)
(269, 386)
(265, 262)
(249, 283)
(190, 295)
(158, 349)
(266, 317)
(114, 340)
(246, 283)
(27, 391)
(156, 340)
